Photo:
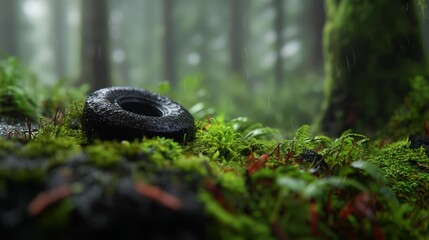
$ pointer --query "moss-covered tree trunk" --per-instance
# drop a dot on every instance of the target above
(372, 49)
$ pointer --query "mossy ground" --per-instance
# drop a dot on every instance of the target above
(237, 180)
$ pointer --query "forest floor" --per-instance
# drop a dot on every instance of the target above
(237, 180)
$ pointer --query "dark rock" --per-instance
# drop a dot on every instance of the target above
(418, 141)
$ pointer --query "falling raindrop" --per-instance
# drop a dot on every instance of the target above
(99, 51)
(348, 63)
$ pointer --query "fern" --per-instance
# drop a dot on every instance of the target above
(15, 98)
(303, 138)
(345, 149)
(250, 129)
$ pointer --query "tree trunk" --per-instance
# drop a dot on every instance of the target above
(236, 32)
(279, 27)
(169, 43)
(95, 43)
(426, 27)
(315, 25)
(9, 27)
(151, 45)
(372, 48)
(60, 39)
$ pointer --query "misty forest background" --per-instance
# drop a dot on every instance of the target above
(260, 59)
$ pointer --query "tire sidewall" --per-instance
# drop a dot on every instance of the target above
(104, 118)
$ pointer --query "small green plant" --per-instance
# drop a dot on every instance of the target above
(16, 99)
(218, 140)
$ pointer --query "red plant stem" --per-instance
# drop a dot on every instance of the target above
(46, 198)
(155, 193)
(28, 127)
(314, 218)
(218, 195)
(56, 116)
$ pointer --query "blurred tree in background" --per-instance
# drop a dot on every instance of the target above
(169, 42)
(260, 59)
(95, 49)
(425, 27)
(59, 11)
(279, 28)
(9, 27)
(315, 23)
(237, 36)
(372, 50)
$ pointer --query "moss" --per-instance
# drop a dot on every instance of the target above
(7, 146)
(162, 151)
(22, 170)
(372, 49)
(232, 225)
(63, 125)
(232, 141)
(233, 182)
(103, 155)
(405, 171)
(58, 217)
(337, 153)
(219, 141)
(248, 182)
(49, 147)
(278, 199)
(192, 164)
(410, 117)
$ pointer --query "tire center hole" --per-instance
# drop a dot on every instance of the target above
(140, 106)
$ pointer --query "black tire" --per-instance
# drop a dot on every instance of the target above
(125, 113)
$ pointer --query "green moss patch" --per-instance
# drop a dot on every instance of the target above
(237, 180)
(234, 183)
